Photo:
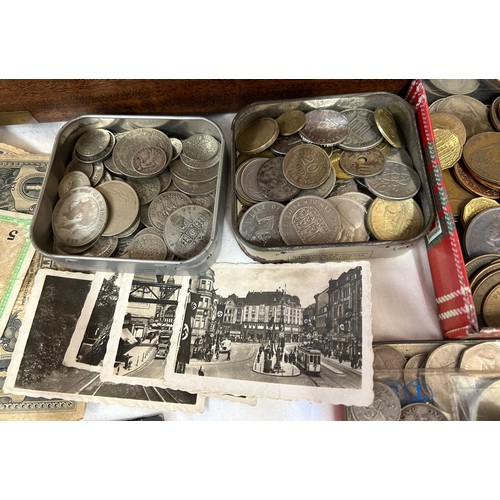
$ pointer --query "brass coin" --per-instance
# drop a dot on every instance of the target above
(388, 127)
(363, 163)
(395, 220)
(475, 206)
(450, 122)
(482, 156)
(470, 183)
(457, 195)
(335, 162)
(475, 264)
(291, 122)
(257, 136)
(483, 288)
(495, 114)
(306, 166)
(448, 147)
(491, 308)
(485, 271)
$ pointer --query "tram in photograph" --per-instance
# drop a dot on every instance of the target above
(309, 359)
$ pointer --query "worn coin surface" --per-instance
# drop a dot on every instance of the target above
(385, 407)
(147, 246)
(272, 182)
(448, 147)
(80, 217)
(422, 412)
(352, 219)
(447, 121)
(309, 220)
(291, 122)
(457, 195)
(475, 264)
(481, 357)
(482, 288)
(282, 145)
(487, 405)
(105, 246)
(362, 163)
(72, 180)
(390, 220)
(306, 166)
(414, 370)
(325, 127)
(260, 224)
(200, 147)
(363, 131)
(322, 190)
(149, 161)
(94, 145)
(491, 307)
(257, 135)
(399, 155)
(395, 182)
(195, 188)
(482, 235)
(147, 189)
(388, 363)
(79, 166)
(163, 205)
(192, 174)
(481, 154)
(470, 183)
(456, 85)
(389, 128)
(246, 185)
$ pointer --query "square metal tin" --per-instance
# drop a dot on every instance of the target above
(404, 115)
(174, 126)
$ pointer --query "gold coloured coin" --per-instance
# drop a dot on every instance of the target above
(458, 197)
(291, 122)
(257, 136)
(448, 147)
(390, 220)
(491, 308)
(389, 128)
(475, 206)
(450, 122)
(470, 183)
(482, 156)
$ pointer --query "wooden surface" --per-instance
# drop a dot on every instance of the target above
(60, 100)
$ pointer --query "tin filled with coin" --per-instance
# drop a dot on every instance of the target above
(133, 194)
(328, 178)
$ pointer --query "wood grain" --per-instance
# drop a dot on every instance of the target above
(60, 100)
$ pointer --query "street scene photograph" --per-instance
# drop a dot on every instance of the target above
(264, 330)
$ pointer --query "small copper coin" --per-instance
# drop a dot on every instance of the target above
(491, 307)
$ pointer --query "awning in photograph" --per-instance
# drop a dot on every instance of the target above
(127, 336)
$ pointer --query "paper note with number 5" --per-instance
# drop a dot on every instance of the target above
(16, 253)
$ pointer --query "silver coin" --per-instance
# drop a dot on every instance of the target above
(260, 224)
(246, 184)
(282, 145)
(147, 246)
(78, 166)
(94, 145)
(147, 189)
(62, 249)
(123, 206)
(199, 164)
(414, 370)
(363, 131)
(388, 364)
(204, 200)
(176, 147)
(399, 155)
(482, 235)
(200, 147)
(396, 182)
(72, 180)
(306, 166)
(322, 190)
(344, 186)
(325, 127)
(149, 161)
(105, 246)
(80, 217)
(165, 179)
(190, 174)
(422, 412)
(456, 86)
(187, 230)
(272, 182)
(362, 163)
(385, 407)
(129, 231)
(352, 219)
(481, 357)
(144, 215)
(163, 205)
(362, 198)
(195, 188)
(309, 220)
(486, 406)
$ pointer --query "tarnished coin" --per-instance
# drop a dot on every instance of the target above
(282, 145)
(476, 206)
(363, 131)
(147, 189)
(491, 307)
(448, 147)
(481, 154)
(257, 136)
(482, 235)
(390, 220)
(344, 186)
(176, 147)
(61, 248)
(309, 220)
(456, 86)
(72, 180)
(422, 412)
(484, 272)
(165, 179)
(487, 405)
(385, 407)
(322, 190)
(147, 246)
(389, 128)
(272, 182)
(457, 195)
(447, 121)
(484, 356)
(481, 290)
(414, 371)
(187, 230)
(94, 145)
(306, 166)
(352, 219)
(475, 264)
(399, 155)
(204, 200)
(363, 163)
(395, 182)
(260, 224)
(495, 114)
(190, 174)
(471, 184)
(362, 198)
(200, 147)
(388, 363)
(164, 204)
(246, 186)
(80, 217)
(105, 246)
(123, 206)
(149, 160)
(291, 122)
(79, 166)
(325, 127)
(195, 188)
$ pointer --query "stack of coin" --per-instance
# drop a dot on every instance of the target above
(467, 134)
(138, 195)
(324, 177)
(415, 381)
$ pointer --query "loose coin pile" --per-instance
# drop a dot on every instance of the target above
(325, 176)
(414, 381)
(138, 194)
(467, 134)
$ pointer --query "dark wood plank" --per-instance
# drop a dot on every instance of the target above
(59, 100)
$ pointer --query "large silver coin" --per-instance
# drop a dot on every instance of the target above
(246, 180)
(309, 220)
(200, 147)
(399, 155)
(422, 412)
(482, 235)
(195, 188)
(272, 181)
(456, 86)
(388, 364)
(147, 189)
(306, 166)
(149, 161)
(78, 166)
(481, 357)
(352, 219)
(385, 407)
(123, 206)
(325, 127)
(190, 174)
(187, 230)
(147, 246)
(80, 217)
(362, 163)
(72, 180)
(363, 131)
(395, 182)
(163, 205)
(94, 145)
(260, 224)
